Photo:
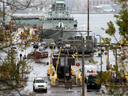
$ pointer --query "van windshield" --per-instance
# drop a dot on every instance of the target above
(39, 81)
(92, 76)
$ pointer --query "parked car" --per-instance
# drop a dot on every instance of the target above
(34, 26)
(41, 48)
(44, 44)
(35, 45)
(41, 54)
(38, 54)
(67, 46)
(39, 84)
(51, 46)
(31, 55)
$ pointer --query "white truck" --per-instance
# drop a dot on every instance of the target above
(90, 77)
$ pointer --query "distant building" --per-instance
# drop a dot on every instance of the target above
(93, 3)
(107, 8)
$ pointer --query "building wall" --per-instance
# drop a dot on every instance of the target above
(98, 2)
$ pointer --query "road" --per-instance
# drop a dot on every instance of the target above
(40, 70)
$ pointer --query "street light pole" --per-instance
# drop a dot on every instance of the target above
(83, 88)
(100, 49)
(3, 13)
(88, 19)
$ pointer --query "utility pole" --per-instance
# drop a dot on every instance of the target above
(83, 88)
(100, 49)
(108, 65)
(116, 62)
(88, 20)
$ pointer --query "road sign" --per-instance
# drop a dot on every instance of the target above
(77, 64)
(105, 53)
(122, 57)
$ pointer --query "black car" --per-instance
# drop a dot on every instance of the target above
(35, 45)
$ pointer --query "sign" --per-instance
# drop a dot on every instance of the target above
(122, 57)
(105, 53)
(92, 71)
(77, 64)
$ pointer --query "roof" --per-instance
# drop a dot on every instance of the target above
(39, 78)
(106, 6)
(60, 1)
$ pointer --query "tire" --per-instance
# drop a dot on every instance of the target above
(46, 90)
(98, 86)
(34, 89)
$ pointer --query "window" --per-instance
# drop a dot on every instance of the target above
(62, 61)
(92, 77)
(100, 2)
(97, 3)
(39, 81)
(93, 3)
(90, 3)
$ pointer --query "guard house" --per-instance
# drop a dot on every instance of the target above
(64, 66)
(90, 44)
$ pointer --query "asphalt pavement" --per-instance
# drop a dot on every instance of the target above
(40, 70)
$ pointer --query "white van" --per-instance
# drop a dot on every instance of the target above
(90, 69)
(90, 76)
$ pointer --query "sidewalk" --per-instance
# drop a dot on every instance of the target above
(5, 87)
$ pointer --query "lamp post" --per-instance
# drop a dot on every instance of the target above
(83, 87)
(100, 50)
(42, 35)
(64, 36)
(3, 13)
(99, 38)
(88, 19)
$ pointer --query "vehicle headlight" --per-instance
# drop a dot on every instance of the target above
(45, 85)
(35, 85)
